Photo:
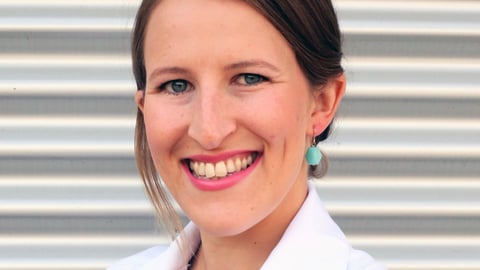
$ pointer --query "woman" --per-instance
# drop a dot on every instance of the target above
(232, 95)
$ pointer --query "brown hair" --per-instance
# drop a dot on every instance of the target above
(310, 27)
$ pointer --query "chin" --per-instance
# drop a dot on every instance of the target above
(227, 228)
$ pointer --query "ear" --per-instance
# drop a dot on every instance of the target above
(327, 99)
(139, 99)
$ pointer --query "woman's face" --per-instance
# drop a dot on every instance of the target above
(227, 111)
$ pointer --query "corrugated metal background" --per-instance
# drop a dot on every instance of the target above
(405, 157)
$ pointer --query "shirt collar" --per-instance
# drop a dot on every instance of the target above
(312, 238)
(173, 258)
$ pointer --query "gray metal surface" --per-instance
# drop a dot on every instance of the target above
(404, 179)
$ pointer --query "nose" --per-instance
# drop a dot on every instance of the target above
(212, 119)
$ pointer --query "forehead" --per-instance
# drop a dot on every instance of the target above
(176, 11)
(182, 27)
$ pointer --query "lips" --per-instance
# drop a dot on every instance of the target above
(209, 171)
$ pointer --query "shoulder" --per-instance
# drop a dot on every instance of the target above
(360, 260)
(138, 260)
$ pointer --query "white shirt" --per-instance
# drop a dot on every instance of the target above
(311, 241)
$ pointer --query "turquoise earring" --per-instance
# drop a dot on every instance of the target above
(313, 155)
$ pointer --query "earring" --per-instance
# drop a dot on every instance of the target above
(313, 155)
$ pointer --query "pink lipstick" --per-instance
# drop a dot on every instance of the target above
(203, 171)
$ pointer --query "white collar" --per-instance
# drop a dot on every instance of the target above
(312, 238)
(173, 258)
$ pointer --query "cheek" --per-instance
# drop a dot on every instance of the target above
(164, 131)
(154, 130)
(162, 126)
(287, 116)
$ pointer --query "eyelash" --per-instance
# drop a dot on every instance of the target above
(163, 87)
(244, 75)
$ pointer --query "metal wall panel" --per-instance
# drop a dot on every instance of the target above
(405, 154)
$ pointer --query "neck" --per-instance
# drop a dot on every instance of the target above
(250, 249)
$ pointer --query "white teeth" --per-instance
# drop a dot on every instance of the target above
(230, 166)
(201, 169)
(238, 165)
(221, 168)
(195, 166)
(209, 170)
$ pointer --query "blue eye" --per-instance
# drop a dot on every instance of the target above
(179, 86)
(250, 79)
(175, 87)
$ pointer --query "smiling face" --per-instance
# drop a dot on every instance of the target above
(227, 112)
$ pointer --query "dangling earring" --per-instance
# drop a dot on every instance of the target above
(313, 155)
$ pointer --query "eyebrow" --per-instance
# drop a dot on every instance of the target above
(237, 65)
(168, 70)
(252, 63)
